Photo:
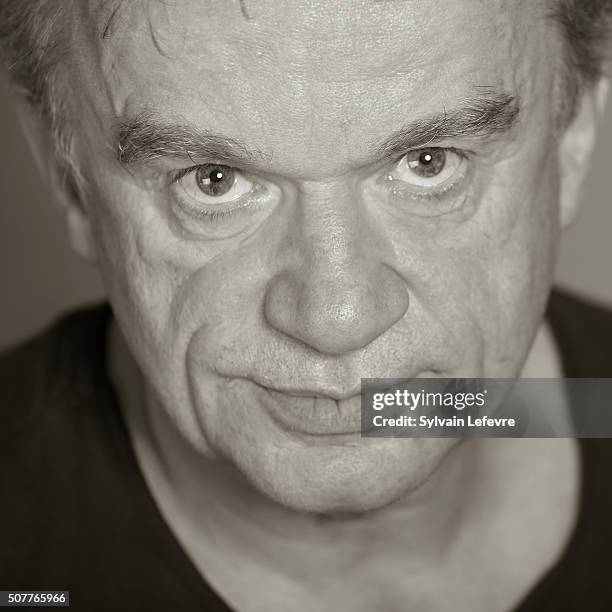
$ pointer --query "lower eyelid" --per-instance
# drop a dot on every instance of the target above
(432, 207)
(399, 189)
(221, 210)
(204, 210)
(425, 193)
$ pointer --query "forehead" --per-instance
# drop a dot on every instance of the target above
(303, 75)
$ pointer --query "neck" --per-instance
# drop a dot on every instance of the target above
(213, 493)
(229, 529)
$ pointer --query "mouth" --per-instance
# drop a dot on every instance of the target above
(312, 415)
(309, 414)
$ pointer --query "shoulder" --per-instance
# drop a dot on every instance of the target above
(49, 389)
(43, 367)
(583, 331)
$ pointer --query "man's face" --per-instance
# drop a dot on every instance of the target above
(314, 192)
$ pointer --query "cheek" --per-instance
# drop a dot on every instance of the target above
(135, 272)
(143, 268)
(486, 279)
(511, 271)
(162, 290)
(165, 288)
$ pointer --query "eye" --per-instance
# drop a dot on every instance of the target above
(214, 184)
(215, 201)
(427, 182)
(427, 168)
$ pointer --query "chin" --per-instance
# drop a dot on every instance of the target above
(319, 473)
(327, 477)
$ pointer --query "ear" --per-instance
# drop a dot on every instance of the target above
(61, 180)
(576, 148)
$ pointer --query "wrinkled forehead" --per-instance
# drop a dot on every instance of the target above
(314, 74)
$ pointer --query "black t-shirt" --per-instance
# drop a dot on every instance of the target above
(76, 513)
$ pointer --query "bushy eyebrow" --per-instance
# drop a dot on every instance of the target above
(486, 115)
(147, 137)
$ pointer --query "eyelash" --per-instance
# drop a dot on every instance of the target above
(432, 201)
(431, 193)
(397, 191)
(177, 175)
(215, 215)
(211, 216)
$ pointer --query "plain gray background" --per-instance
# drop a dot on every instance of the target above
(41, 277)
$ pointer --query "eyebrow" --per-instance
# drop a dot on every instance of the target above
(485, 116)
(147, 137)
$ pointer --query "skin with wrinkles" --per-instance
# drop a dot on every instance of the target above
(328, 275)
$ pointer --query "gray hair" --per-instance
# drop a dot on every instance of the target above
(32, 50)
(586, 26)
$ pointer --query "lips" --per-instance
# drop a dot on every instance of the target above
(316, 416)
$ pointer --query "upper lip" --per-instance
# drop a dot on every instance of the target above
(331, 391)
(315, 391)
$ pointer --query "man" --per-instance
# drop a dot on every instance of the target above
(281, 200)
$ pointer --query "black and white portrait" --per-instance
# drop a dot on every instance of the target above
(219, 219)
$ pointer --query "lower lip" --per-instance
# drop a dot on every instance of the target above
(313, 416)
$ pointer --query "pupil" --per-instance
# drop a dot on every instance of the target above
(428, 163)
(215, 180)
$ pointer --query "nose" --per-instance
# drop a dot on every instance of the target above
(335, 293)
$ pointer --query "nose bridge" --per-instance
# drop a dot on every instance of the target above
(331, 230)
(337, 295)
